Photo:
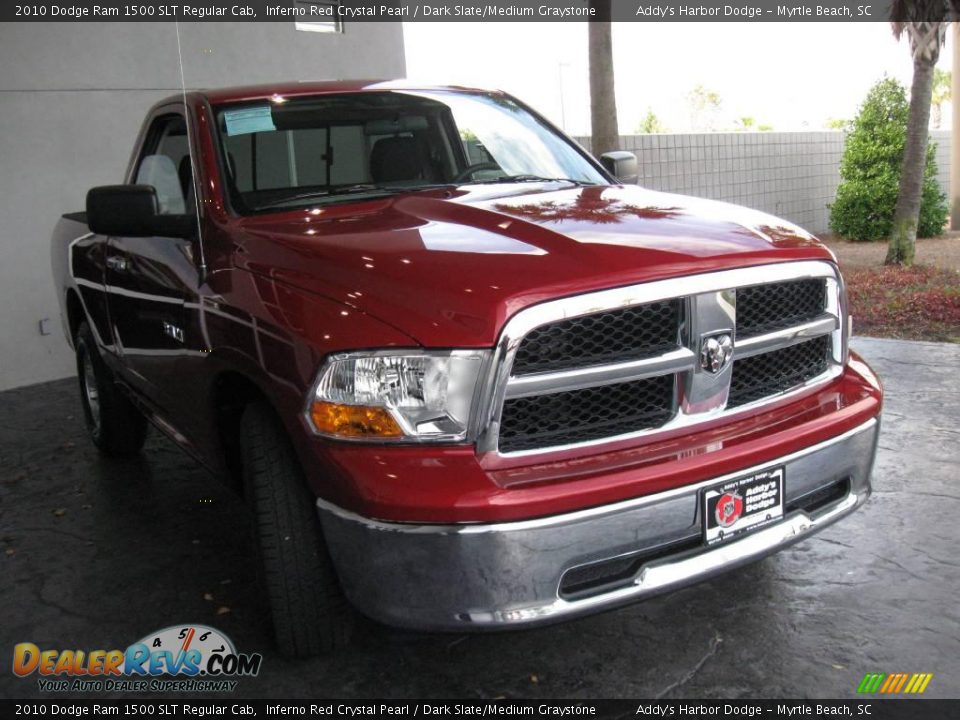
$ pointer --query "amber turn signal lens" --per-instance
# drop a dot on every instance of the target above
(353, 420)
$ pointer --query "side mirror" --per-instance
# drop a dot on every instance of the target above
(133, 211)
(622, 165)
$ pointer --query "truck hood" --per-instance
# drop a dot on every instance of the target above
(448, 268)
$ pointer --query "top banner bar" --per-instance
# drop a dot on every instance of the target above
(341, 12)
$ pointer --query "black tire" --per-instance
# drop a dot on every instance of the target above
(115, 425)
(310, 614)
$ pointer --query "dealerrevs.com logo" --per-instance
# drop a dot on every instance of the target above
(180, 658)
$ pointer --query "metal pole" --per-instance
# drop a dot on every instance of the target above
(955, 134)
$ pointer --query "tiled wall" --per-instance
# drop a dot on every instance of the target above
(791, 175)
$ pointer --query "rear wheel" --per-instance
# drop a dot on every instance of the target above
(115, 425)
(310, 613)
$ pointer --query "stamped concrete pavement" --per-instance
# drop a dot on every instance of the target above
(96, 554)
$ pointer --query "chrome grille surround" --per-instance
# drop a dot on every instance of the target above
(708, 308)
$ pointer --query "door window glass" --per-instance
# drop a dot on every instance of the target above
(166, 165)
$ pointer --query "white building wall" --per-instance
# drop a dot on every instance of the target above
(72, 97)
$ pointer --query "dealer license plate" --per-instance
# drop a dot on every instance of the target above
(737, 507)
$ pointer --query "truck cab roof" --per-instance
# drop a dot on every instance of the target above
(269, 91)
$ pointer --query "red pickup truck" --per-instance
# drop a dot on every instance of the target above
(467, 376)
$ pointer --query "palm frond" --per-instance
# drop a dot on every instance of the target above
(903, 12)
(924, 22)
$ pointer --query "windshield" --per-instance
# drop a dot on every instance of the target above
(281, 154)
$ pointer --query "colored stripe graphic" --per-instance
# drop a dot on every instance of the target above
(894, 683)
(888, 683)
(870, 683)
(914, 683)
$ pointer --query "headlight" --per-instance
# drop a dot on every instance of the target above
(403, 395)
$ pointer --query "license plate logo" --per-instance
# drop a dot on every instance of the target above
(740, 506)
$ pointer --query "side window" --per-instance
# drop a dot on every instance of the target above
(473, 148)
(349, 155)
(326, 12)
(301, 158)
(166, 165)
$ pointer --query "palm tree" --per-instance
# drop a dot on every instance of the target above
(603, 101)
(704, 106)
(924, 22)
(651, 124)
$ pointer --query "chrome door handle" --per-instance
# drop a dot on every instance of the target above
(118, 263)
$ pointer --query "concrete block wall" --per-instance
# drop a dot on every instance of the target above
(942, 140)
(793, 175)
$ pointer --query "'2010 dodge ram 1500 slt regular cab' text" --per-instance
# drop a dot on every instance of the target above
(467, 376)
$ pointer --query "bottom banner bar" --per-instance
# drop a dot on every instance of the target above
(774, 709)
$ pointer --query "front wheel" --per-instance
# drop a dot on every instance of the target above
(115, 425)
(310, 613)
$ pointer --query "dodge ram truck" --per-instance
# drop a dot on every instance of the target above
(466, 376)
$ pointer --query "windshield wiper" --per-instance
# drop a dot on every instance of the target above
(531, 178)
(358, 189)
(316, 194)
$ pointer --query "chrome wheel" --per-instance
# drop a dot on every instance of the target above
(115, 425)
(90, 392)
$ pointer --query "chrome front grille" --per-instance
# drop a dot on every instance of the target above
(586, 414)
(608, 337)
(774, 306)
(778, 371)
(621, 363)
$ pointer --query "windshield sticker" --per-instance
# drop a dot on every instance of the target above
(249, 120)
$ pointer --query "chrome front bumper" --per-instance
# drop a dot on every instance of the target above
(496, 576)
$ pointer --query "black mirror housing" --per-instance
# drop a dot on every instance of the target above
(133, 211)
(622, 165)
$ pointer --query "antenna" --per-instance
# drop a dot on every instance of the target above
(193, 167)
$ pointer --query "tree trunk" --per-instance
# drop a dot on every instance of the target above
(907, 214)
(603, 103)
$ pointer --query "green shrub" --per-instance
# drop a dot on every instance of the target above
(870, 170)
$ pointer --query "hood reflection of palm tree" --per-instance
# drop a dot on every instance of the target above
(588, 206)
